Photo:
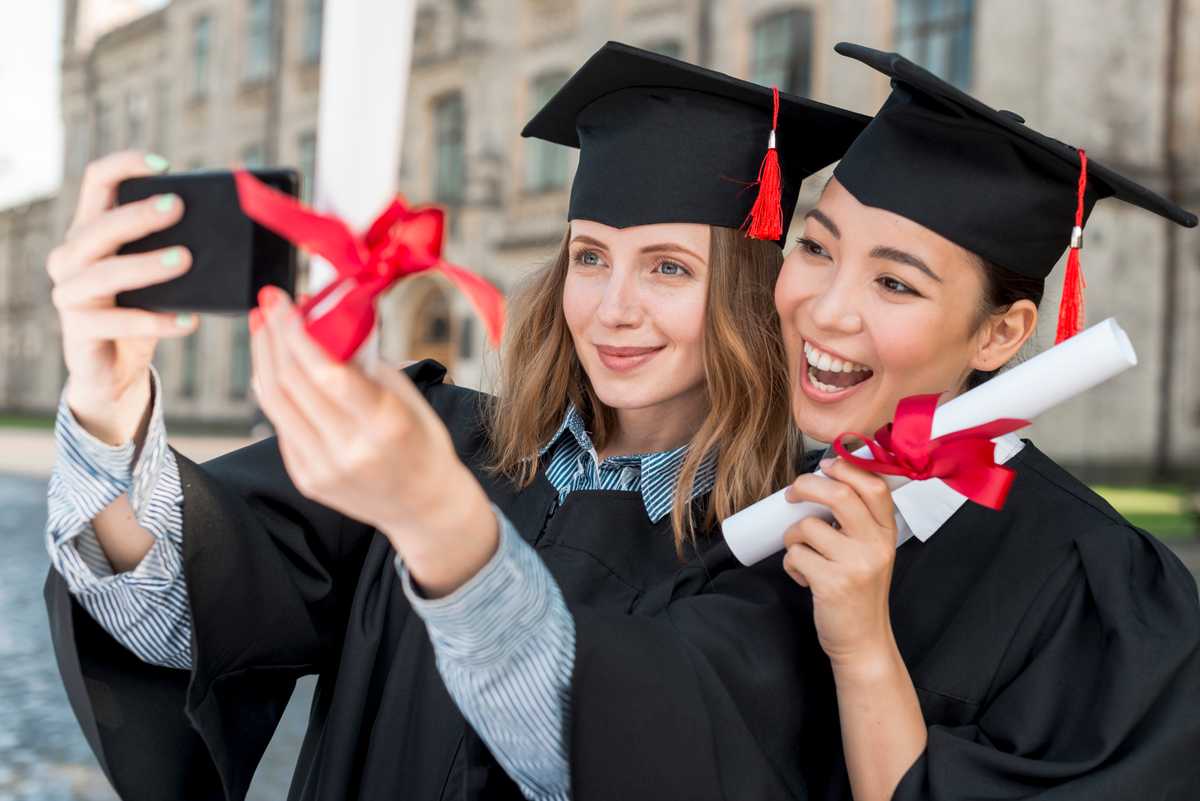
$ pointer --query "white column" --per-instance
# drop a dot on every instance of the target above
(366, 54)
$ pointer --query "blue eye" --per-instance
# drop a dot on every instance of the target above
(588, 258)
(672, 268)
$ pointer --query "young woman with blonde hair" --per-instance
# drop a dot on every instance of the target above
(515, 596)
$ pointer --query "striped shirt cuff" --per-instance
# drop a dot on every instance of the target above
(90, 474)
(493, 615)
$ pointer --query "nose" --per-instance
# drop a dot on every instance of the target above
(621, 306)
(834, 307)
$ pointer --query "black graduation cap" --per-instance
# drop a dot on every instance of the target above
(981, 177)
(662, 140)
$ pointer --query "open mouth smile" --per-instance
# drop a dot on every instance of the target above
(826, 377)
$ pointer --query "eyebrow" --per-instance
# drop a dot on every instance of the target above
(663, 247)
(824, 220)
(903, 257)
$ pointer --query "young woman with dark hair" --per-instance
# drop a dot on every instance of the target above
(1049, 650)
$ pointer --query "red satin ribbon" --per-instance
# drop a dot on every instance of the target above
(402, 241)
(965, 460)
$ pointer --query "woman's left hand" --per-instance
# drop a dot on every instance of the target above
(371, 447)
(847, 567)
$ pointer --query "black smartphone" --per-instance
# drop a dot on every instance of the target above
(232, 256)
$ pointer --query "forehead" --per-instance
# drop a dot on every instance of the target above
(693, 236)
(861, 225)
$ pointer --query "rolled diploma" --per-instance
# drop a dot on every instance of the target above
(1053, 376)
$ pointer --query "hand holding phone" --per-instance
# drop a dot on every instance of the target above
(108, 349)
(232, 256)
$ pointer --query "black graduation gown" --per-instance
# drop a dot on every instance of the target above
(684, 681)
(1055, 650)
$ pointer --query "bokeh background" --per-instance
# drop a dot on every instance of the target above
(210, 82)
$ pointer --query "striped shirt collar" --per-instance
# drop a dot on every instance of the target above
(658, 471)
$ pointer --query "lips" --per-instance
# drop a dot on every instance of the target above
(623, 358)
(828, 376)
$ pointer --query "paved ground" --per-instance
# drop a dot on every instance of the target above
(30, 452)
(43, 756)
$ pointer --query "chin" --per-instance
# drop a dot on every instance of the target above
(826, 423)
(629, 397)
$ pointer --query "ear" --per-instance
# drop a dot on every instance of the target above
(1003, 334)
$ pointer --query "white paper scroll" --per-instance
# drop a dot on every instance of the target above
(366, 54)
(1024, 392)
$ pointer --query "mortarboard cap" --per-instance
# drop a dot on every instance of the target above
(982, 178)
(662, 140)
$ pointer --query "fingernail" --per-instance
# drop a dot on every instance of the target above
(157, 162)
(255, 320)
(826, 464)
(164, 203)
(172, 258)
(185, 320)
(267, 297)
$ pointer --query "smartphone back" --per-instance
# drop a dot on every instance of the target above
(232, 256)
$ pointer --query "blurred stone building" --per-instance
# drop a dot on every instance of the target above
(207, 82)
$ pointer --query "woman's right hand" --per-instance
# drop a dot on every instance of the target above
(108, 349)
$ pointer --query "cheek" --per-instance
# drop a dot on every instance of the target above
(914, 349)
(798, 282)
(678, 315)
(787, 293)
(580, 299)
(791, 290)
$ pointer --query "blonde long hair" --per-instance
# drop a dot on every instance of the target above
(748, 424)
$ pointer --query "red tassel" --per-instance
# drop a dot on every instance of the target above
(1071, 309)
(766, 217)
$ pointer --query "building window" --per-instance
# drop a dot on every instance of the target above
(310, 47)
(449, 126)
(239, 363)
(258, 40)
(78, 137)
(103, 140)
(666, 47)
(135, 120)
(783, 51)
(201, 49)
(190, 368)
(252, 156)
(432, 331)
(545, 162)
(466, 339)
(162, 113)
(937, 34)
(308, 164)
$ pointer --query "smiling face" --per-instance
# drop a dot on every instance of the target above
(874, 308)
(634, 301)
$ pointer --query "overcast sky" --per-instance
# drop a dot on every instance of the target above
(30, 122)
(30, 130)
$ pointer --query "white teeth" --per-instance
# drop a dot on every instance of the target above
(823, 361)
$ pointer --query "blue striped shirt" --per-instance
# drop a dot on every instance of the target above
(504, 641)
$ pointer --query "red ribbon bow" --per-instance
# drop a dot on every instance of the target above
(402, 241)
(965, 460)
